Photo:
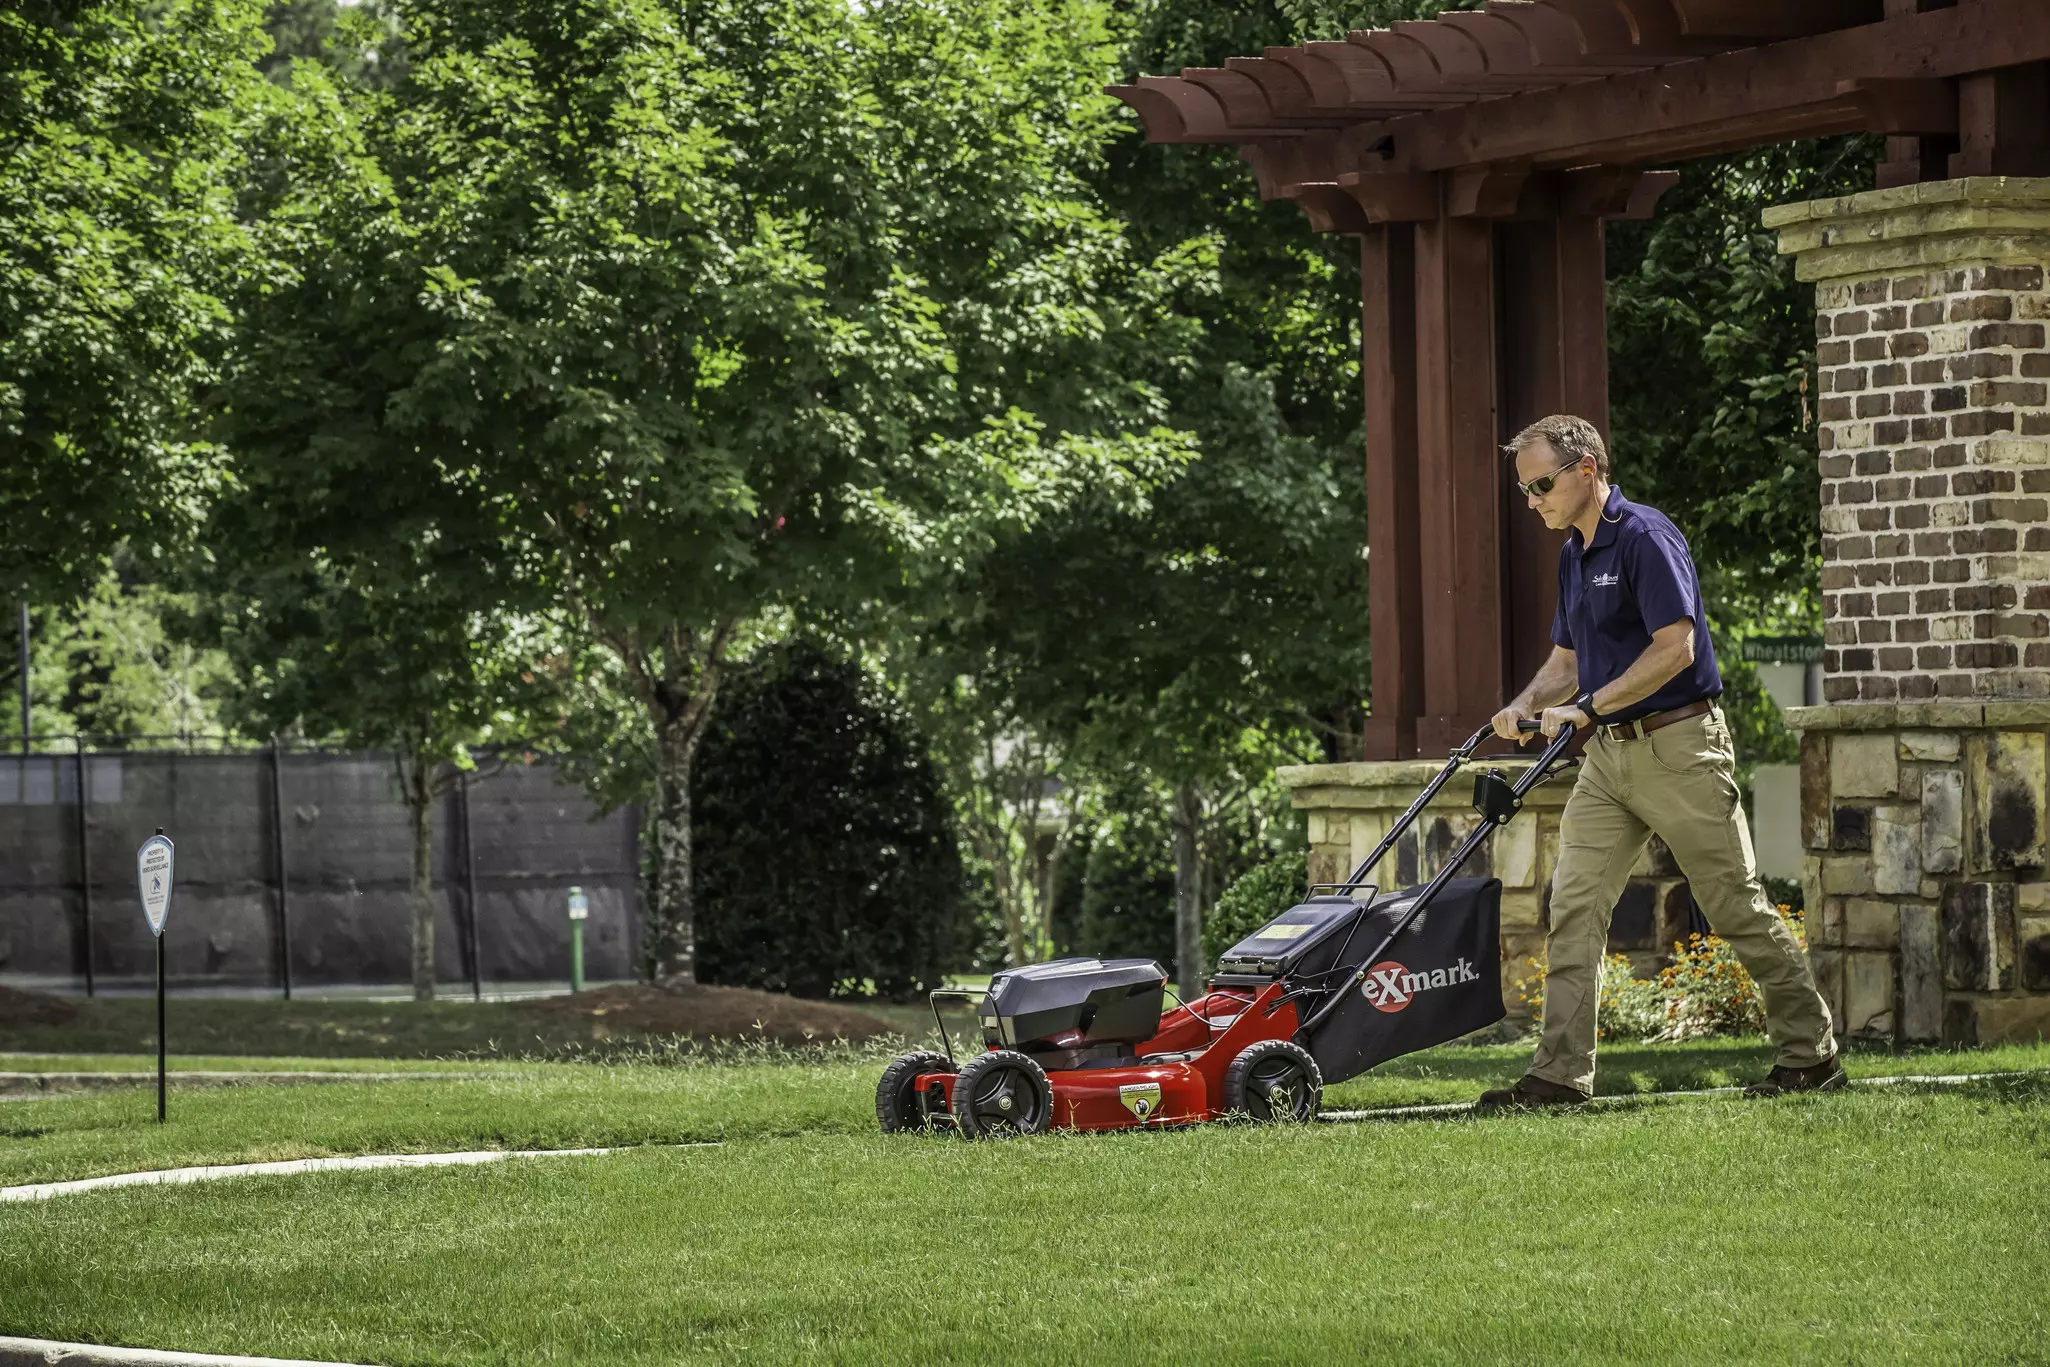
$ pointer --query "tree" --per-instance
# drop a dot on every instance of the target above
(1008, 799)
(339, 567)
(120, 153)
(823, 843)
(1222, 627)
(744, 308)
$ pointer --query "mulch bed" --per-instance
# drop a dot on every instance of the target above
(33, 1008)
(726, 1013)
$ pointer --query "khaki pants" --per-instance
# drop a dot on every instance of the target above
(1679, 783)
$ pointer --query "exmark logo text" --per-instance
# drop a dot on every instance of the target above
(1390, 986)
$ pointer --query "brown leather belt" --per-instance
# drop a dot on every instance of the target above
(1644, 726)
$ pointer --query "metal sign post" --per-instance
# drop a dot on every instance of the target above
(153, 880)
(579, 911)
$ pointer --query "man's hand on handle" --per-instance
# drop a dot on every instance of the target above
(1506, 720)
(1557, 718)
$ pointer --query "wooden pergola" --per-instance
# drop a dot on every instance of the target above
(1476, 157)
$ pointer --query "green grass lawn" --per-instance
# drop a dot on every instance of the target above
(1893, 1224)
(562, 1105)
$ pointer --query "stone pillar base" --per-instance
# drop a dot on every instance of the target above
(1924, 827)
(1350, 807)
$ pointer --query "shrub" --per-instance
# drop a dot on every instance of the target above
(1704, 991)
(1253, 899)
(824, 856)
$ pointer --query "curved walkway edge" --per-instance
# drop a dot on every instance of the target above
(43, 1191)
(17, 1352)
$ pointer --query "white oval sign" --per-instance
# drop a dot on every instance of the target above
(153, 880)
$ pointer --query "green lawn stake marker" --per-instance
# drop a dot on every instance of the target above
(153, 880)
(579, 910)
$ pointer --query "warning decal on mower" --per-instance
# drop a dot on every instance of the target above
(1286, 930)
(1390, 986)
(1141, 1098)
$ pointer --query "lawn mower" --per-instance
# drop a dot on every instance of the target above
(1340, 982)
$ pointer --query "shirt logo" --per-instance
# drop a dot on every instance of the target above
(1606, 581)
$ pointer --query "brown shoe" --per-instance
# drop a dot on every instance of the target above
(1826, 1076)
(1530, 1094)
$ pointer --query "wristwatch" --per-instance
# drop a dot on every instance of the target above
(1585, 702)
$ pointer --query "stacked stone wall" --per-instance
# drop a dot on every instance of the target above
(1925, 827)
(1923, 789)
(1935, 460)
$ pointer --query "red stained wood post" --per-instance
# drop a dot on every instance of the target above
(1459, 479)
(1388, 373)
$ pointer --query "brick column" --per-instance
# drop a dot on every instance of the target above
(1923, 787)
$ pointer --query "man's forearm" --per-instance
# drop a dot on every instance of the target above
(1556, 680)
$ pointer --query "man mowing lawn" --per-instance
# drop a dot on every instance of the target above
(1631, 651)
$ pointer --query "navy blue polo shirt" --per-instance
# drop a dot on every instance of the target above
(1635, 577)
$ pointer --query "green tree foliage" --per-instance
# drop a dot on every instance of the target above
(1221, 627)
(741, 307)
(341, 568)
(120, 151)
(824, 847)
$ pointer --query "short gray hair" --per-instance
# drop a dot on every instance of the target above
(1575, 439)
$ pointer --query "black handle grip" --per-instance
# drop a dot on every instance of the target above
(1527, 727)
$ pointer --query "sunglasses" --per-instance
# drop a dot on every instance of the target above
(1542, 485)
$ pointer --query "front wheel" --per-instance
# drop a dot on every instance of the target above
(1000, 1095)
(1272, 1081)
(898, 1106)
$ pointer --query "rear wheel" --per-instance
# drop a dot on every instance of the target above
(897, 1100)
(1274, 1081)
(1000, 1095)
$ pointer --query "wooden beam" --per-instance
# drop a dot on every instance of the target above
(1459, 479)
(1245, 104)
(1370, 85)
(1287, 93)
(1758, 21)
(1457, 53)
(1484, 191)
(1655, 27)
(1644, 198)
(1734, 99)
(1327, 85)
(1394, 579)
(1394, 197)
(1505, 50)
(1556, 42)
(2003, 123)
(1330, 209)
(1407, 62)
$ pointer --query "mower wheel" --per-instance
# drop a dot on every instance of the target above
(897, 1100)
(1274, 1080)
(1000, 1095)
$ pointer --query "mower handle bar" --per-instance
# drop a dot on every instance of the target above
(1536, 774)
(1402, 823)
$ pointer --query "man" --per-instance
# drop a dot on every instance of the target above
(1633, 659)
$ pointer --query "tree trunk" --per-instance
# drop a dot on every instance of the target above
(673, 950)
(417, 778)
(1188, 892)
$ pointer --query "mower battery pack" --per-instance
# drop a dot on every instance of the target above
(1304, 939)
(1075, 1009)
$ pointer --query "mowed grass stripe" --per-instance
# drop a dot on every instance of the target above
(564, 1106)
(1895, 1225)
